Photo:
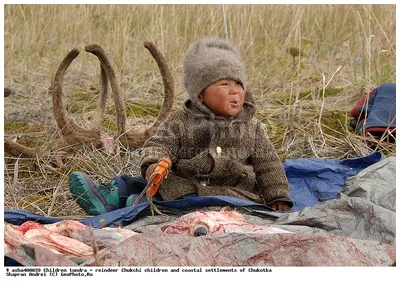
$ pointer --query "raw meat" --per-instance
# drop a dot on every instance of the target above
(200, 223)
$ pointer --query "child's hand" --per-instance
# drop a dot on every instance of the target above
(281, 206)
(150, 171)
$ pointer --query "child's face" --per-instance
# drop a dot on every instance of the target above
(225, 97)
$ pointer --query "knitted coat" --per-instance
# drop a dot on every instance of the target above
(217, 155)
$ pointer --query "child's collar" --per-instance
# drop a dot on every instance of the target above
(196, 108)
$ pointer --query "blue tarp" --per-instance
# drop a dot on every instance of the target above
(311, 181)
(314, 180)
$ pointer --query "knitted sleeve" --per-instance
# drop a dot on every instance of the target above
(166, 141)
(271, 177)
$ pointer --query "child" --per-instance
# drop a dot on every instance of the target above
(216, 145)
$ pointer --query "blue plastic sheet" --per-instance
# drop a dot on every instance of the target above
(314, 180)
(311, 181)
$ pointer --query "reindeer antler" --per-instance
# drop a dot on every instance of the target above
(15, 149)
(72, 133)
(116, 90)
(169, 88)
(136, 140)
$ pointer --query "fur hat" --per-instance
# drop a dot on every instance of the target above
(209, 60)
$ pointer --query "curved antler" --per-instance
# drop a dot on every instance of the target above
(67, 126)
(169, 87)
(18, 150)
(72, 134)
(137, 140)
(117, 93)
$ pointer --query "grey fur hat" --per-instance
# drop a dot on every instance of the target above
(209, 60)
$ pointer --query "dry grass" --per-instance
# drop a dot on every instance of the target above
(333, 53)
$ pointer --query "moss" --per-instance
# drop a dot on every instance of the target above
(80, 108)
(334, 120)
(275, 130)
(83, 96)
(31, 142)
(83, 102)
(22, 127)
(294, 51)
(305, 95)
(133, 109)
(75, 108)
(39, 198)
(319, 92)
(305, 41)
(31, 172)
(16, 127)
(137, 109)
(331, 91)
(24, 175)
(269, 44)
(142, 110)
(110, 124)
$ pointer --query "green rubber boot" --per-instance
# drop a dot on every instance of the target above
(93, 198)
